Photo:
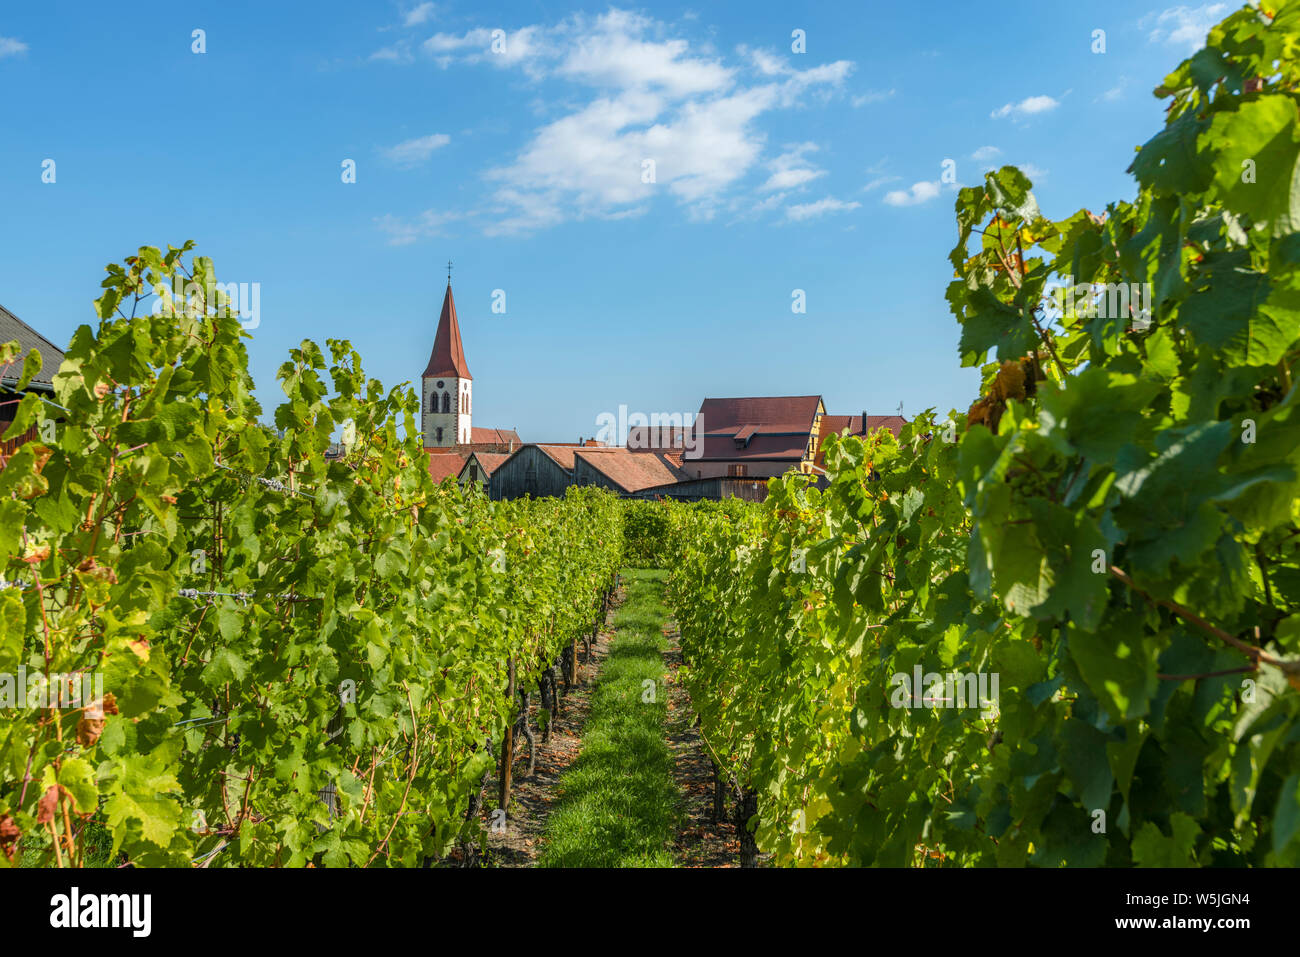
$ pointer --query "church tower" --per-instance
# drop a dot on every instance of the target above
(446, 385)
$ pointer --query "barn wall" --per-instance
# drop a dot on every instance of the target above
(529, 472)
(709, 488)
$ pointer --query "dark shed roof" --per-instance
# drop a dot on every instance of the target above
(11, 327)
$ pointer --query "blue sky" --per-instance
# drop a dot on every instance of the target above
(521, 155)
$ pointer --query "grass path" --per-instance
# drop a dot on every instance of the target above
(619, 805)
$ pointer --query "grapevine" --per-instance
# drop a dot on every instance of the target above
(1111, 530)
(303, 658)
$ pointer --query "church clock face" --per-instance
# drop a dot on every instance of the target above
(438, 384)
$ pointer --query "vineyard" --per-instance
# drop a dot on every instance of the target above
(1064, 627)
(1059, 628)
(306, 660)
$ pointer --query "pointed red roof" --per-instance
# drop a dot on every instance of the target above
(448, 356)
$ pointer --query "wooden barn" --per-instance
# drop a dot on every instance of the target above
(547, 470)
(11, 328)
(534, 470)
(713, 489)
(479, 467)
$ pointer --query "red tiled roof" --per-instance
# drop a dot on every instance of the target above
(756, 409)
(448, 356)
(444, 464)
(758, 427)
(835, 424)
(488, 461)
(562, 453)
(486, 436)
(632, 471)
(629, 470)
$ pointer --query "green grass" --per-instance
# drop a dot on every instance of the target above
(619, 805)
(35, 847)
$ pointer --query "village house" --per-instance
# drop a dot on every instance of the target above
(859, 425)
(746, 441)
(732, 449)
(757, 437)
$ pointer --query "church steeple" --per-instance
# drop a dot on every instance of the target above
(446, 387)
(448, 356)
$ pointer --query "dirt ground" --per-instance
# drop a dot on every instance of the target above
(699, 843)
(531, 797)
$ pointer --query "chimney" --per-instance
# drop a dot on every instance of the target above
(864, 421)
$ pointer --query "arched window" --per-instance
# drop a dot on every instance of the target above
(440, 435)
(446, 402)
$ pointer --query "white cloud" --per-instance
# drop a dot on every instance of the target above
(803, 211)
(593, 162)
(1183, 27)
(394, 54)
(1115, 92)
(499, 47)
(829, 77)
(1035, 173)
(11, 47)
(769, 203)
(986, 154)
(417, 15)
(416, 151)
(656, 99)
(615, 53)
(649, 100)
(479, 40)
(880, 181)
(403, 232)
(1029, 106)
(790, 178)
(872, 96)
(791, 170)
(917, 194)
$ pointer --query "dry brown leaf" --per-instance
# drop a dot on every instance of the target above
(45, 808)
(89, 730)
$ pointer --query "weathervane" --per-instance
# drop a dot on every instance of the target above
(448, 272)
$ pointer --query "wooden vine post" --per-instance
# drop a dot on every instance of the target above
(508, 742)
